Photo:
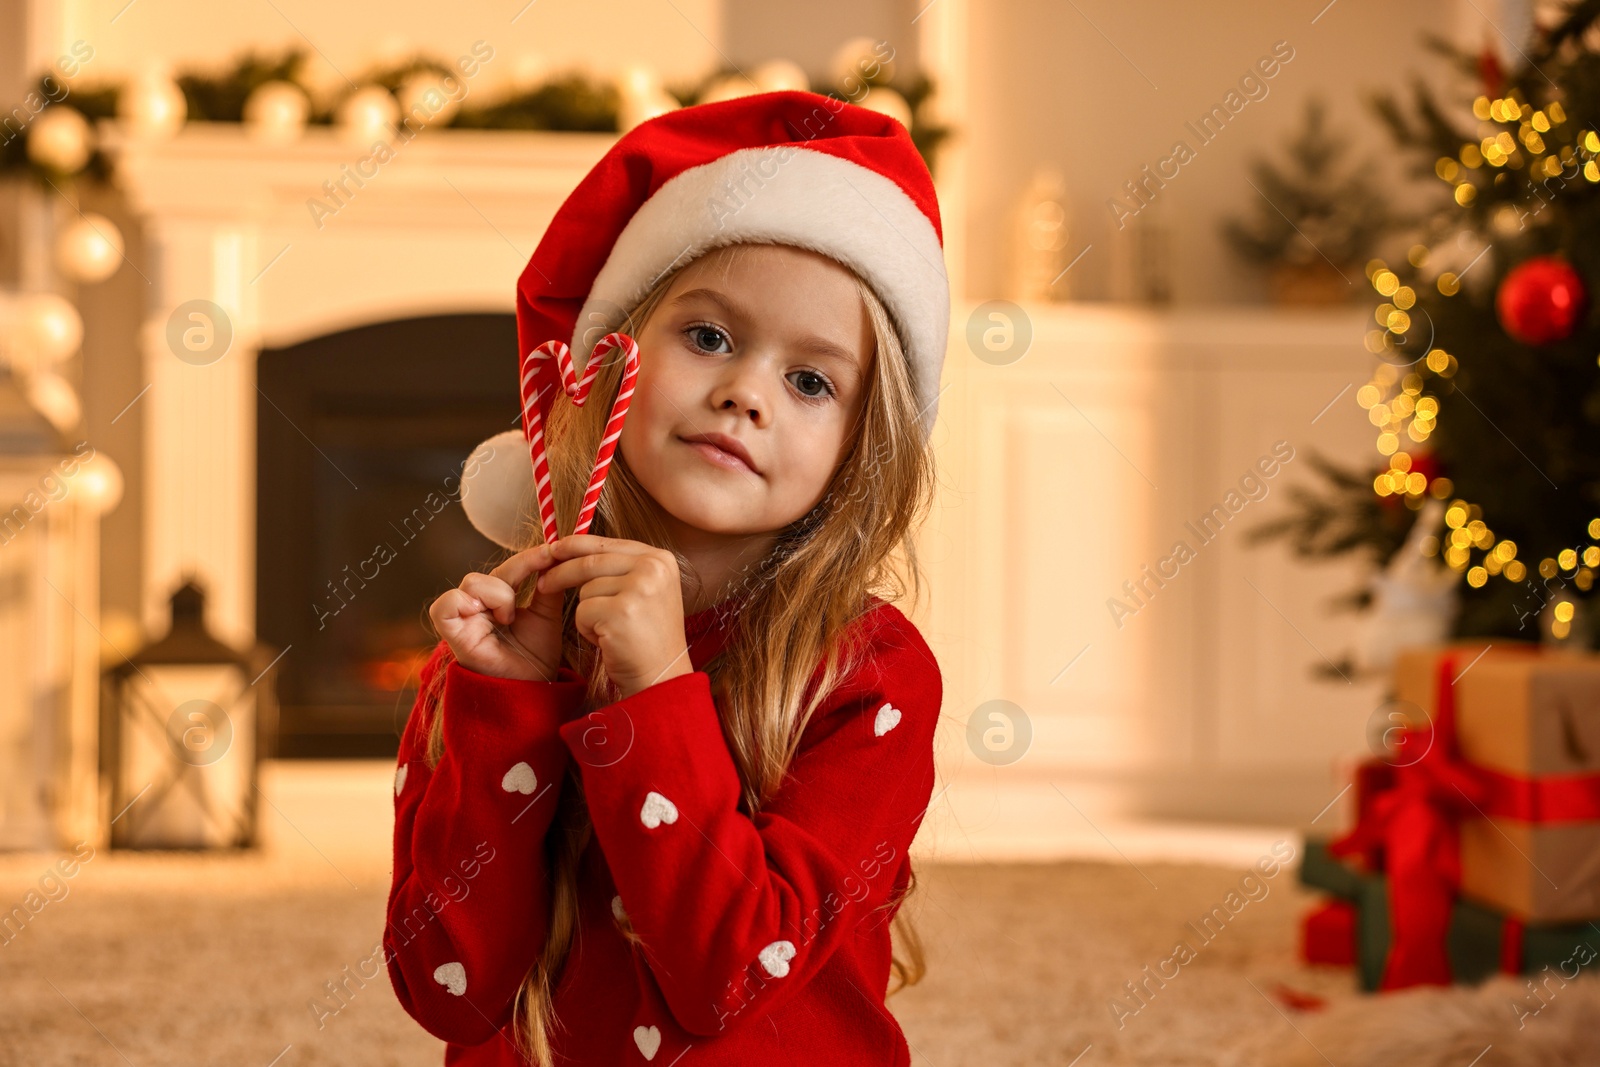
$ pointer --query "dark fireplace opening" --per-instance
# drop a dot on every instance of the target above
(361, 437)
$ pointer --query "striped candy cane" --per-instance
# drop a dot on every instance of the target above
(533, 396)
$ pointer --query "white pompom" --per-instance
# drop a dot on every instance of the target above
(497, 485)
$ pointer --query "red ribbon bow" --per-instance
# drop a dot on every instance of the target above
(1416, 822)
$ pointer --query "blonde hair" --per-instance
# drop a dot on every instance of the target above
(793, 610)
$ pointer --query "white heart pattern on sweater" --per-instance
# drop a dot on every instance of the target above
(452, 976)
(648, 1038)
(400, 777)
(657, 810)
(520, 779)
(776, 956)
(888, 718)
(616, 910)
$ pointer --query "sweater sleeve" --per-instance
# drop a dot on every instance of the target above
(737, 913)
(468, 907)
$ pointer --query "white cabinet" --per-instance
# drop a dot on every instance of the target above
(1080, 467)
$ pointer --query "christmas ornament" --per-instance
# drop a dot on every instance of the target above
(642, 109)
(776, 75)
(430, 97)
(55, 398)
(1541, 300)
(641, 97)
(1490, 70)
(59, 139)
(886, 101)
(1426, 463)
(861, 61)
(728, 87)
(89, 249)
(368, 115)
(534, 400)
(152, 105)
(529, 71)
(99, 484)
(45, 329)
(275, 112)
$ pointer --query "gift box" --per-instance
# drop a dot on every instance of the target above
(1416, 678)
(1481, 941)
(1328, 934)
(1320, 869)
(1363, 846)
(1528, 722)
(1535, 723)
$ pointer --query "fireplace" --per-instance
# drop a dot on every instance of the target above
(361, 438)
(369, 356)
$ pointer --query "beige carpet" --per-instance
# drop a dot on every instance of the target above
(194, 960)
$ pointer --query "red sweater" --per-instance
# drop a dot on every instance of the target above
(761, 938)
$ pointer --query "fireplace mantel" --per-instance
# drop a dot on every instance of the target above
(445, 224)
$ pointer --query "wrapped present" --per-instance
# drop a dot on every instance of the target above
(1320, 869)
(1364, 845)
(1328, 934)
(1415, 681)
(1358, 926)
(1532, 725)
(1480, 941)
(1442, 796)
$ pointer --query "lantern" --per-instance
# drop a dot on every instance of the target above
(185, 723)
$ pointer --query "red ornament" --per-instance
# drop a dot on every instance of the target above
(1541, 300)
(1492, 74)
(1426, 463)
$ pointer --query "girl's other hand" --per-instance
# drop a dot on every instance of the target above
(630, 604)
(487, 631)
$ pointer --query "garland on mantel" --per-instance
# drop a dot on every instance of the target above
(570, 101)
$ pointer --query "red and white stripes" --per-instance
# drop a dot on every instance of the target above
(533, 371)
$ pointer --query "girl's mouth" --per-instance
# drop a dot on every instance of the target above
(717, 457)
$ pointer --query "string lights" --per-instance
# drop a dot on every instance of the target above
(1403, 402)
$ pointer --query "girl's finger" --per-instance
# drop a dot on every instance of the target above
(607, 586)
(575, 545)
(496, 596)
(515, 570)
(584, 569)
(453, 606)
(588, 613)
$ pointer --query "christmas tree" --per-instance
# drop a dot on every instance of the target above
(1315, 212)
(1486, 392)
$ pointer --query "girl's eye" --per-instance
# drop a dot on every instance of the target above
(813, 379)
(707, 338)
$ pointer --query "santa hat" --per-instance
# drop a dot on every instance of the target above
(792, 168)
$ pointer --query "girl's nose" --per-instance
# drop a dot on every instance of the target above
(743, 391)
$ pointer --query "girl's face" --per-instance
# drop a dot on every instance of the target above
(770, 347)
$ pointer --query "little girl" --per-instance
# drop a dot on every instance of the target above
(655, 798)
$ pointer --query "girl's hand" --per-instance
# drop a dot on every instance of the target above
(488, 633)
(630, 605)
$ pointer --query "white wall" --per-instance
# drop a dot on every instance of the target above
(1100, 88)
(810, 33)
(679, 39)
(1064, 474)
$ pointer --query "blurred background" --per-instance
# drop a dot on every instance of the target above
(1269, 502)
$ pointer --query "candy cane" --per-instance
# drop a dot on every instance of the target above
(578, 390)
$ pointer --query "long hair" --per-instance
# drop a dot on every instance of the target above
(793, 609)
